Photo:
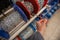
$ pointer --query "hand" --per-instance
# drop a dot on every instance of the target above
(41, 25)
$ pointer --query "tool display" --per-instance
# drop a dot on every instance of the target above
(12, 19)
(14, 14)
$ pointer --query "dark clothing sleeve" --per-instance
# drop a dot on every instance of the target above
(36, 36)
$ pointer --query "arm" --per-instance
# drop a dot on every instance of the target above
(41, 26)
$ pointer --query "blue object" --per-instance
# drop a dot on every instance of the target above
(37, 19)
(4, 34)
(53, 9)
(52, 2)
(48, 16)
(44, 13)
(48, 13)
(20, 12)
(30, 25)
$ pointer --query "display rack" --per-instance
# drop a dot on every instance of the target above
(19, 28)
(6, 12)
(23, 27)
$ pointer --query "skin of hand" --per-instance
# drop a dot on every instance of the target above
(41, 25)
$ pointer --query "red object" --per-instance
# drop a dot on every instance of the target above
(45, 2)
(23, 7)
(18, 38)
(35, 5)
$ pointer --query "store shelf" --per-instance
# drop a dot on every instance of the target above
(24, 26)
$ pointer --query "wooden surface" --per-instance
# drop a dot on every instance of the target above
(53, 27)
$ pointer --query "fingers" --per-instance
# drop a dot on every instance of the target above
(42, 22)
(45, 21)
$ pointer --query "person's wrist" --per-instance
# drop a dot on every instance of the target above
(42, 30)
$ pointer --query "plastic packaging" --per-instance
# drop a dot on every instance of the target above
(31, 5)
(35, 5)
(12, 19)
(23, 7)
(49, 11)
(27, 32)
(42, 3)
(53, 2)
